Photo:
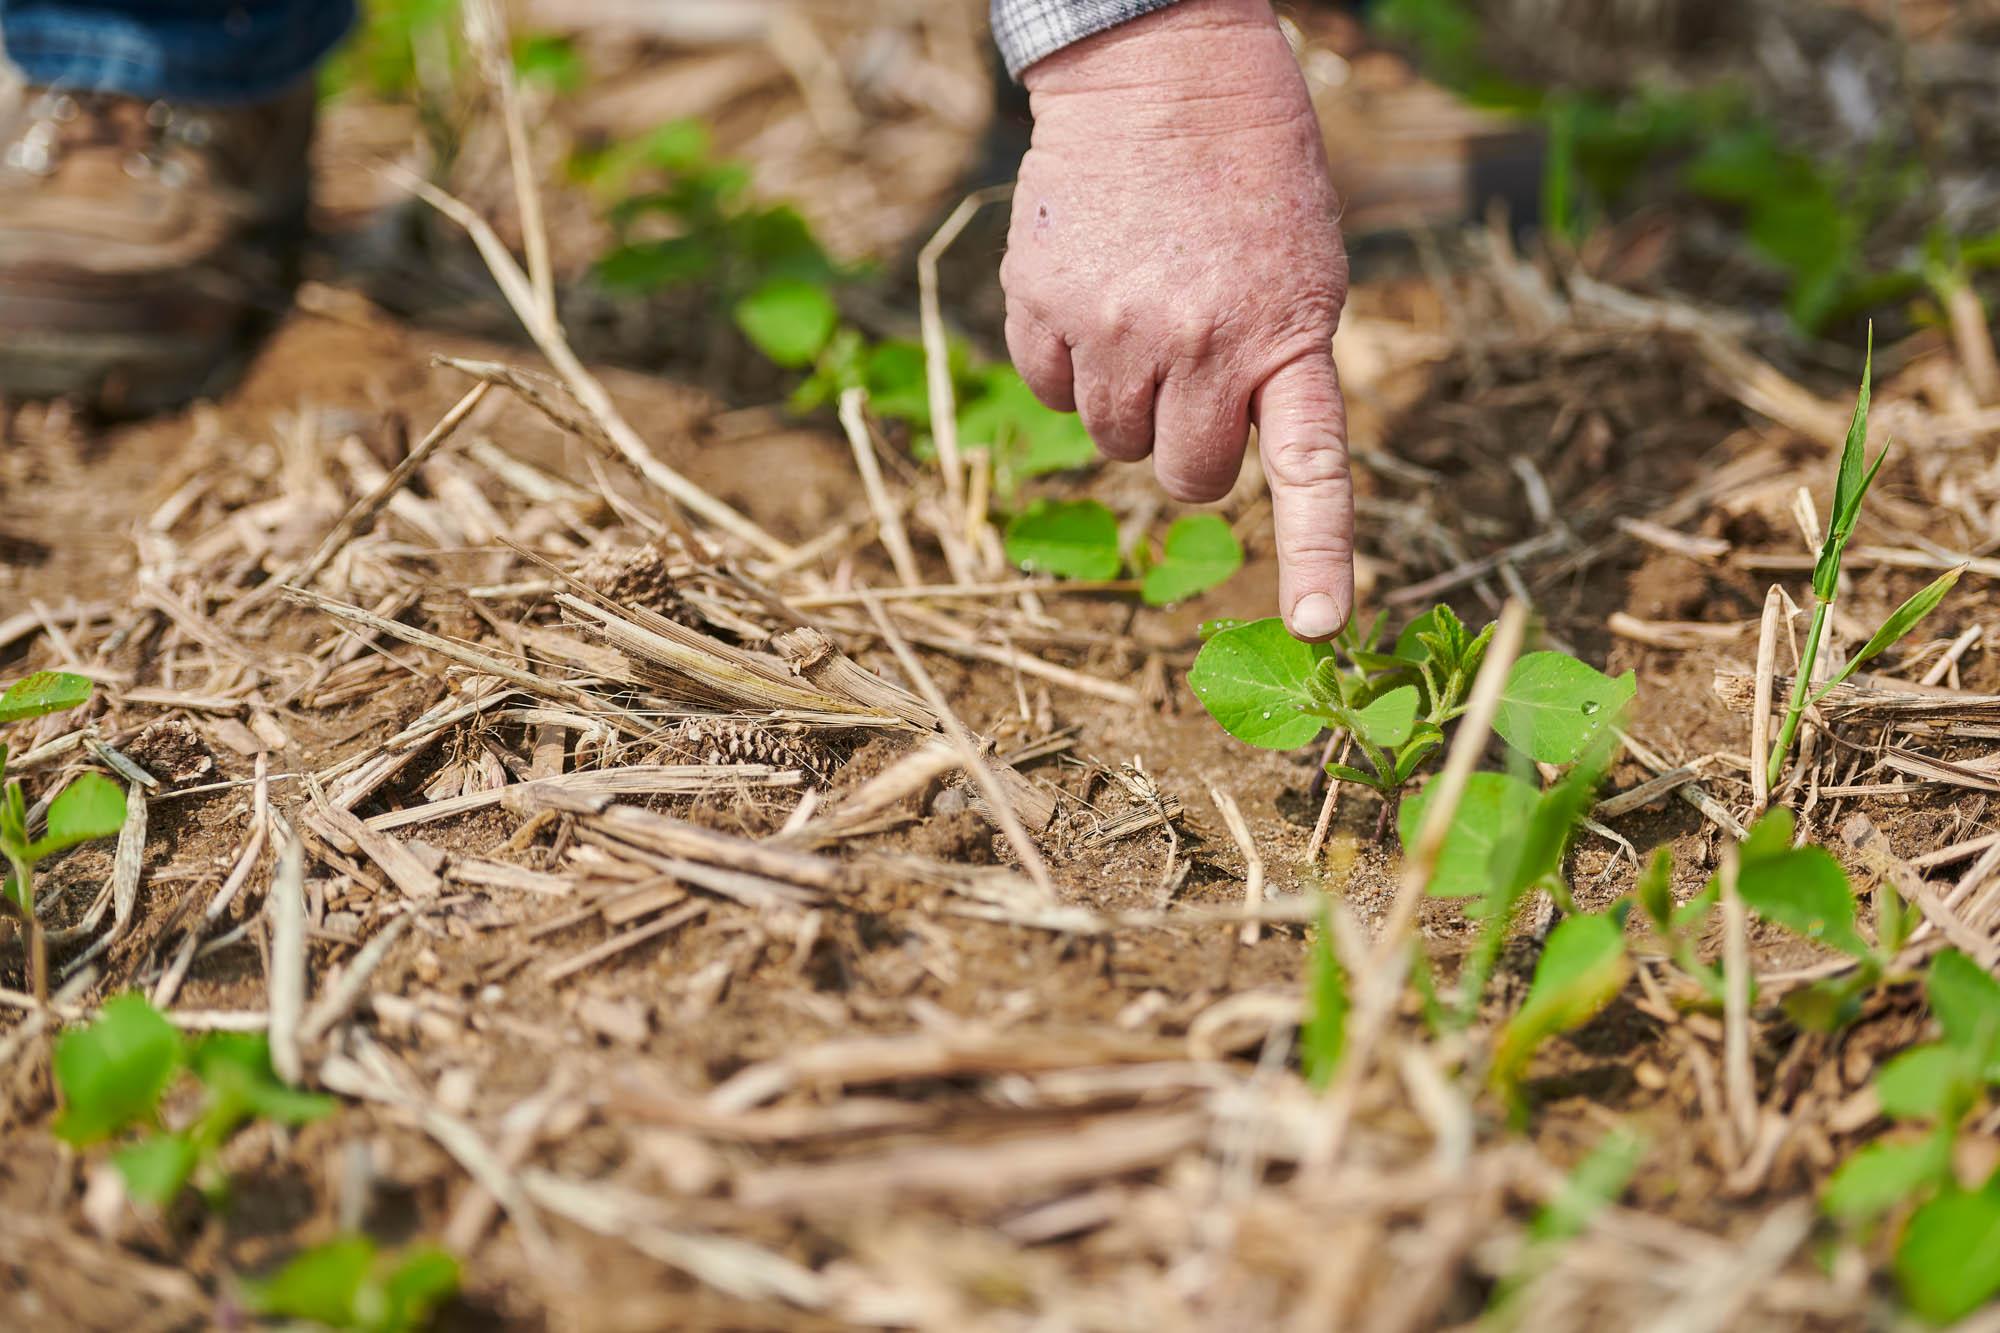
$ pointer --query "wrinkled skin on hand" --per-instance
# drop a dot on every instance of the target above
(1175, 272)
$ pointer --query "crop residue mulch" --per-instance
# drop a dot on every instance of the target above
(678, 965)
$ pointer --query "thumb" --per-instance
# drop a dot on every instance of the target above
(1302, 436)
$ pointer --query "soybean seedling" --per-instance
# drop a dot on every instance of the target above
(89, 808)
(1943, 1256)
(1269, 690)
(115, 1073)
(1851, 485)
(1078, 539)
(349, 1285)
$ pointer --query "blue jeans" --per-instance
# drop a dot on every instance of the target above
(186, 50)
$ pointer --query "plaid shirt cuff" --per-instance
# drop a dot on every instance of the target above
(1027, 30)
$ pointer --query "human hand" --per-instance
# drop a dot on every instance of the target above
(1175, 271)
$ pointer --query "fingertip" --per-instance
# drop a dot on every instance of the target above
(1319, 615)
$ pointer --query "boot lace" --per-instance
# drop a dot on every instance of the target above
(55, 123)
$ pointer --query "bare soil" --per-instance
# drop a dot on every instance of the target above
(919, 1094)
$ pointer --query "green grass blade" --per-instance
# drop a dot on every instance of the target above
(1323, 1034)
(1900, 622)
(1850, 485)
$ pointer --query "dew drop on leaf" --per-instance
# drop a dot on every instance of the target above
(1591, 707)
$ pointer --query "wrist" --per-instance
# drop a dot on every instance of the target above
(1217, 52)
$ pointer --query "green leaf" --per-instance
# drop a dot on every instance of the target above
(789, 320)
(1323, 1035)
(1198, 553)
(320, 1285)
(1932, 1082)
(1349, 773)
(1883, 1174)
(92, 807)
(1410, 645)
(42, 693)
(1388, 722)
(1965, 999)
(1493, 805)
(346, 1284)
(1072, 539)
(1900, 622)
(679, 146)
(1851, 482)
(156, 1169)
(113, 1072)
(1948, 1262)
(1850, 485)
(1553, 706)
(235, 1068)
(898, 388)
(644, 268)
(549, 60)
(1252, 680)
(1426, 739)
(422, 1280)
(1831, 1003)
(1802, 889)
(1531, 851)
(1582, 969)
(1027, 438)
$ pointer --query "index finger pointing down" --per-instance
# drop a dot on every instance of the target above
(1302, 436)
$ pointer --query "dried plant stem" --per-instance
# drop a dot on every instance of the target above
(888, 518)
(1760, 716)
(1253, 862)
(548, 338)
(1324, 823)
(969, 592)
(937, 349)
(1739, 1081)
(364, 510)
(486, 33)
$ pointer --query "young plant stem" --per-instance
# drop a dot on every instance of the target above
(31, 929)
(1801, 688)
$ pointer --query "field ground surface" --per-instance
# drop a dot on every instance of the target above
(670, 960)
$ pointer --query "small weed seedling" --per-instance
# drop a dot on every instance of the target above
(1945, 1257)
(350, 1286)
(1851, 485)
(115, 1073)
(1078, 539)
(89, 808)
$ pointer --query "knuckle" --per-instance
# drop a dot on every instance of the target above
(1117, 317)
(1314, 460)
(1330, 546)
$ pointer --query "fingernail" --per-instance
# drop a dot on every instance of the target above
(1315, 616)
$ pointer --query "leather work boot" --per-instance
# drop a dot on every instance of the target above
(144, 246)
